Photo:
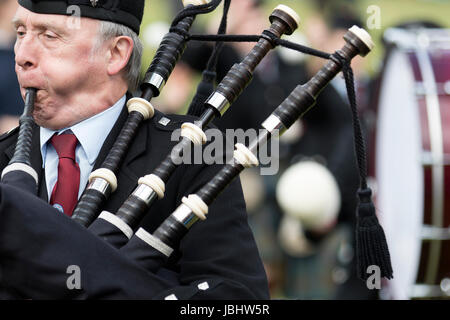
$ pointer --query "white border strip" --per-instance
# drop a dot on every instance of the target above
(154, 242)
(20, 167)
(116, 221)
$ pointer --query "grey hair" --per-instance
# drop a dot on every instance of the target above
(109, 30)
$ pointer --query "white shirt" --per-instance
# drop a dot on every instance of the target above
(91, 134)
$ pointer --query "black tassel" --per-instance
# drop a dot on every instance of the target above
(371, 245)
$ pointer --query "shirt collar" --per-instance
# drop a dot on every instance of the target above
(97, 126)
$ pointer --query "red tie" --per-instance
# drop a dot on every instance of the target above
(65, 193)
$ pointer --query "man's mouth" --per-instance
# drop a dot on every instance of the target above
(38, 91)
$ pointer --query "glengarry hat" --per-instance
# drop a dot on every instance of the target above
(126, 12)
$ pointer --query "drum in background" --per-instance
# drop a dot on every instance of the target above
(413, 161)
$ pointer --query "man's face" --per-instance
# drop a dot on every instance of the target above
(58, 59)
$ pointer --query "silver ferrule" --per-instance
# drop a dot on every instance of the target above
(274, 125)
(219, 102)
(145, 193)
(185, 216)
(157, 81)
(101, 185)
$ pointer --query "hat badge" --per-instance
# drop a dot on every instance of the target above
(94, 3)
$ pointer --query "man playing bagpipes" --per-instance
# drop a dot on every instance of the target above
(75, 87)
(83, 70)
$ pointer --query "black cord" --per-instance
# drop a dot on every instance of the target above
(360, 148)
(212, 63)
(194, 10)
(255, 38)
(209, 75)
(303, 49)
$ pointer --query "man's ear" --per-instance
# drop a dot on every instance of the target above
(120, 52)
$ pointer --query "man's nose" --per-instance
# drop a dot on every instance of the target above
(26, 52)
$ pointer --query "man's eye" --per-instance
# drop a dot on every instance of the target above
(20, 33)
(49, 36)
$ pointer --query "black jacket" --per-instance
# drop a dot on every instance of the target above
(37, 244)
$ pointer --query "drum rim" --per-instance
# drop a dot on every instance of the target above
(403, 280)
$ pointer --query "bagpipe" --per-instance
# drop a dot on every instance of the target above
(152, 186)
(122, 239)
(19, 171)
